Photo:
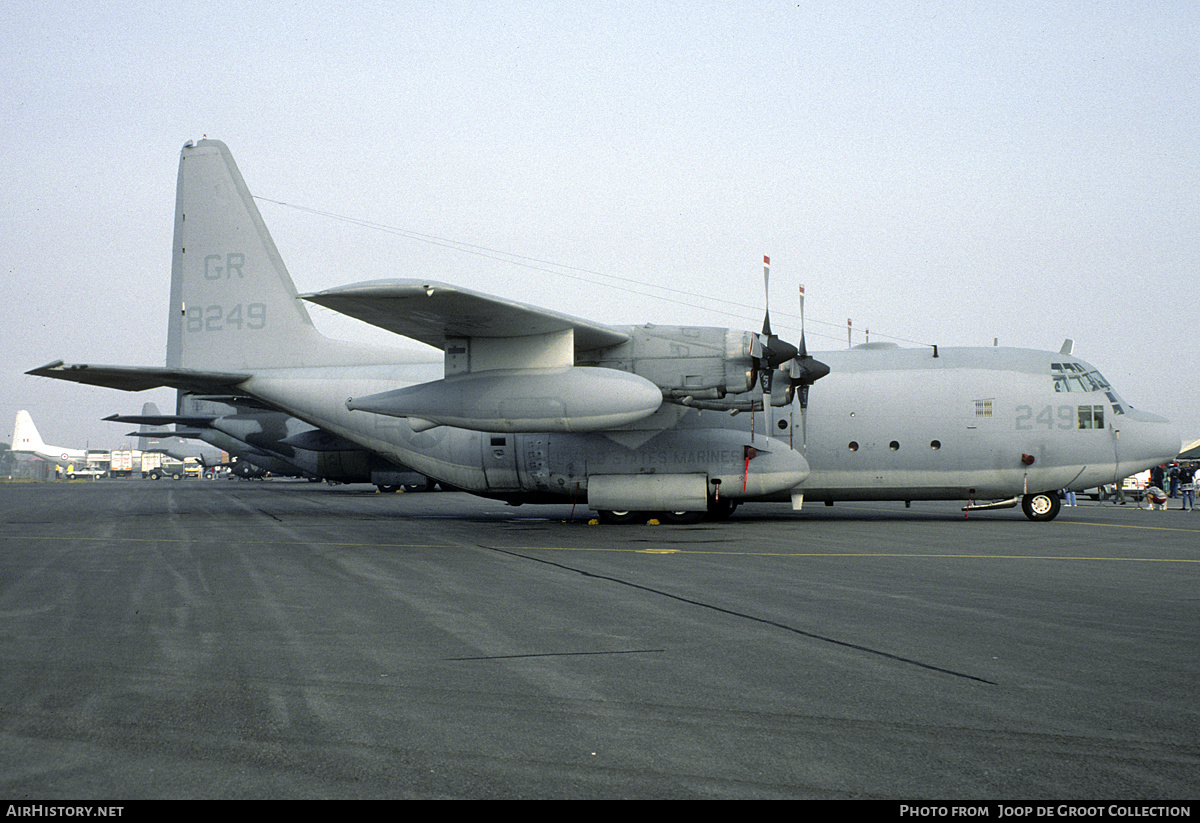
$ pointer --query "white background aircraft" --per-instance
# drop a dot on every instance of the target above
(27, 440)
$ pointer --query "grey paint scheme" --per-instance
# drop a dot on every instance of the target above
(272, 441)
(876, 397)
(235, 312)
(200, 427)
(156, 437)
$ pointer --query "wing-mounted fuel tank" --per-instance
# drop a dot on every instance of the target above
(564, 399)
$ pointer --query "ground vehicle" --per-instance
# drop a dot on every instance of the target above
(157, 465)
(121, 463)
(73, 472)
(1134, 487)
(151, 461)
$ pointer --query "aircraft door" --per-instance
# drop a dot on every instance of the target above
(500, 461)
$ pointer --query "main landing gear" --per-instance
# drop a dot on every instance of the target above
(717, 510)
(1041, 506)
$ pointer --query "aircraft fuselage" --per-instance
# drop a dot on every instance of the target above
(885, 424)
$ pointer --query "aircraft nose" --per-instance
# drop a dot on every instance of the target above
(1146, 440)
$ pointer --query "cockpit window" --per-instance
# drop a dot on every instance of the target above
(1074, 377)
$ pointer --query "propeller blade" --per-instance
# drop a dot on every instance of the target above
(803, 352)
(765, 385)
(804, 418)
(767, 296)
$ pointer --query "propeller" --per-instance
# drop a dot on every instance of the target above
(767, 352)
(802, 371)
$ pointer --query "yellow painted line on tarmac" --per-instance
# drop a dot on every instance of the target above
(1126, 526)
(221, 540)
(655, 551)
(843, 554)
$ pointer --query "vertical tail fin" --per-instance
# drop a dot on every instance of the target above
(25, 434)
(150, 437)
(233, 303)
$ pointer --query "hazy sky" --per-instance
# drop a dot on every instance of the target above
(939, 172)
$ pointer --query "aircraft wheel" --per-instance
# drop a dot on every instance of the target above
(424, 486)
(683, 518)
(1041, 507)
(623, 518)
(386, 489)
(720, 509)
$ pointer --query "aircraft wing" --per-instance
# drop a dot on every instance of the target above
(140, 378)
(436, 312)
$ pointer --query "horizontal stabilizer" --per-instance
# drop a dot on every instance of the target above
(188, 434)
(181, 434)
(161, 420)
(140, 378)
(435, 313)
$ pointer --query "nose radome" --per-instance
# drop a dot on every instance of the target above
(1147, 439)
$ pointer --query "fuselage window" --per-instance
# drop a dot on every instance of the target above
(894, 446)
(935, 444)
(1091, 417)
(853, 445)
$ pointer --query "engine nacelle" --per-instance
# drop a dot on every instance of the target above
(700, 362)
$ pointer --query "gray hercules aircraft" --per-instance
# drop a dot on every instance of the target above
(154, 436)
(532, 405)
(265, 440)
